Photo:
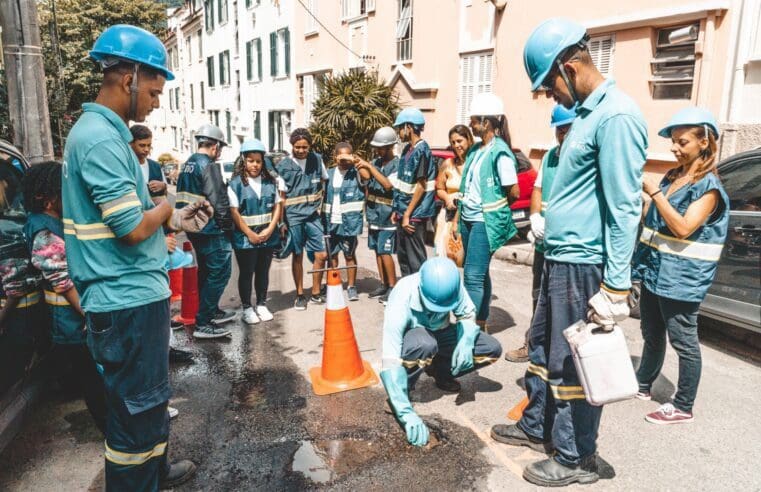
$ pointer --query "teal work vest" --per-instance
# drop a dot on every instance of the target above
(352, 200)
(406, 179)
(379, 201)
(498, 217)
(67, 324)
(682, 269)
(549, 168)
(190, 187)
(256, 212)
(303, 196)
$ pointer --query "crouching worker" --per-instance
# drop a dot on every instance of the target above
(417, 337)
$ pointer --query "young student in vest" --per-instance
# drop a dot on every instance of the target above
(256, 207)
(381, 236)
(342, 211)
(561, 121)
(45, 242)
(142, 144)
(684, 232)
(414, 190)
(304, 176)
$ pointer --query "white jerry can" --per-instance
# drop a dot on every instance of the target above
(602, 362)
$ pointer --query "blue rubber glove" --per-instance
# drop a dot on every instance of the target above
(395, 382)
(462, 357)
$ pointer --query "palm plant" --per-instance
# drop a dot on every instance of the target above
(351, 107)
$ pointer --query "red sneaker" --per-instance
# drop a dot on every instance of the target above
(668, 414)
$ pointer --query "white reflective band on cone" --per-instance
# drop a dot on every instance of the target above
(335, 297)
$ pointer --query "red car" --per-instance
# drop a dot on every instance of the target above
(526, 178)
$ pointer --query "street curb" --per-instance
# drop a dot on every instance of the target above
(520, 253)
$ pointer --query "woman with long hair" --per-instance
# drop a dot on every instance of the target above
(489, 185)
(448, 185)
(256, 207)
(677, 255)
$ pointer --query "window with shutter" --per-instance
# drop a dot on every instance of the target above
(273, 54)
(309, 96)
(601, 51)
(271, 127)
(311, 26)
(192, 99)
(257, 125)
(203, 98)
(222, 17)
(208, 12)
(287, 51)
(222, 80)
(404, 31)
(210, 70)
(259, 58)
(249, 60)
(177, 99)
(475, 78)
(369, 6)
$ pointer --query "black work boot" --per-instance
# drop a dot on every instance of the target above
(550, 473)
(443, 378)
(179, 473)
(514, 435)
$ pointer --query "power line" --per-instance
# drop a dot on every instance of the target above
(329, 32)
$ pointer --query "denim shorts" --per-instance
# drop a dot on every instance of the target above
(382, 242)
(345, 244)
(308, 235)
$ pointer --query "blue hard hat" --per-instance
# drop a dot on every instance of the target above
(692, 116)
(132, 44)
(439, 284)
(545, 43)
(252, 145)
(562, 116)
(410, 115)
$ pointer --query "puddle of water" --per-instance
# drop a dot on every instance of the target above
(324, 460)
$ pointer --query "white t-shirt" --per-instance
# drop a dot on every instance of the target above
(146, 173)
(303, 165)
(256, 185)
(335, 209)
(538, 182)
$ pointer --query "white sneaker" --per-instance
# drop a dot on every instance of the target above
(249, 316)
(264, 313)
(173, 412)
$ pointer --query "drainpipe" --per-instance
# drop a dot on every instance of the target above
(707, 60)
(733, 70)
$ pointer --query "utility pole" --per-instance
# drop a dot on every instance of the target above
(27, 96)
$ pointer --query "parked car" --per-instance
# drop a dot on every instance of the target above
(526, 179)
(17, 393)
(735, 296)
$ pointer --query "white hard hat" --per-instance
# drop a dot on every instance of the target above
(384, 136)
(486, 104)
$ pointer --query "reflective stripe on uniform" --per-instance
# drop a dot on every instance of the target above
(430, 185)
(303, 199)
(680, 247)
(544, 206)
(55, 299)
(127, 201)
(484, 359)
(187, 197)
(380, 199)
(559, 391)
(28, 300)
(374, 227)
(352, 206)
(86, 232)
(409, 188)
(417, 362)
(256, 220)
(491, 207)
(134, 459)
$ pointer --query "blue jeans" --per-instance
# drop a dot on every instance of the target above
(557, 409)
(214, 257)
(659, 316)
(476, 271)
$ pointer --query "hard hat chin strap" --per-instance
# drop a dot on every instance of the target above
(132, 113)
(567, 81)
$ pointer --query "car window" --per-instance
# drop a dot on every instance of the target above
(742, 182)
(11, 205)
(229, 166)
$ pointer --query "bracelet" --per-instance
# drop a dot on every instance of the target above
(653, 194)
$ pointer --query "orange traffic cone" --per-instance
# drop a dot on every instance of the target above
(175, 284)
(516, 412)
(342, 367)
(189, 305)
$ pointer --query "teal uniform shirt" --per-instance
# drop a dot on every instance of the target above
(104, 196)
(595, 204)
(549, 168)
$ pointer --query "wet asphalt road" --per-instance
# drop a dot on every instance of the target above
(249, 419)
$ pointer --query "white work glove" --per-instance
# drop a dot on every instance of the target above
(191, 218)
(537, 226)
(607, 308)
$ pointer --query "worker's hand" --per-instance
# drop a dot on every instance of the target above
(650, 184)
(191, 218)
(449, 203)
(171, 243)
(406, 225)
(454, 231)
(284, 230)
(537, 226)
(253, 237)
(265, 234)
(157, 186)
(393, 218)
(462, 357)
(417, 431)
(607, 308)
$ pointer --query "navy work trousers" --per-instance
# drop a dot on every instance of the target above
(422, 347)
(132, 346)
(214, 257)
(557, 409)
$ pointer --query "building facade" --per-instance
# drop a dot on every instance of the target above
(232, 61)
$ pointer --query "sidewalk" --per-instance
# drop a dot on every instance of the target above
(517, 251)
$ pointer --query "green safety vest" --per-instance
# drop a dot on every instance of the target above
(498, 218)
(549, 168)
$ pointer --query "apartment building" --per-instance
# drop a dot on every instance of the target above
(232, 61)
(438, 53)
